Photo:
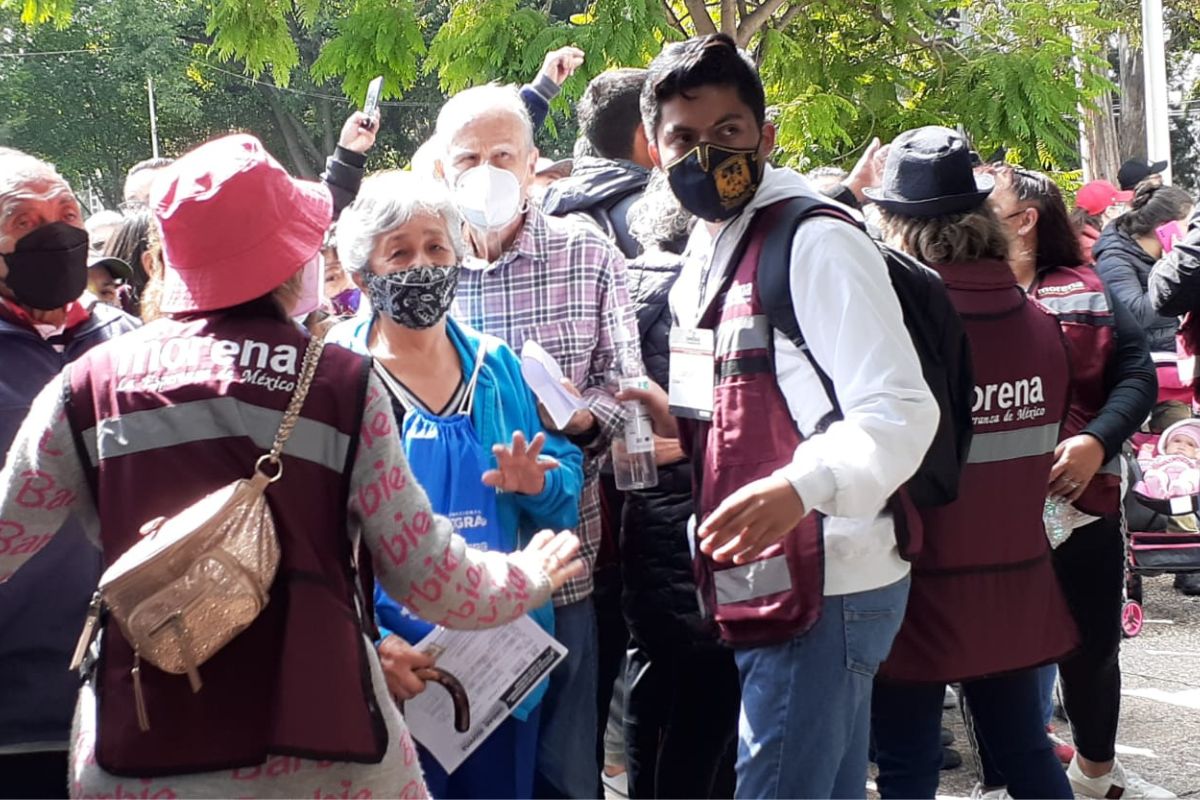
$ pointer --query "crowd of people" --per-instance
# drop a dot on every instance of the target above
(869, 391)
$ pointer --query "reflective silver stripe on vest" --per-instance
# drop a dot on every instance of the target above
(749, 581)
(1165, 358)
(987, 448)
(1082, 303)
(741, 334)
(202, 420)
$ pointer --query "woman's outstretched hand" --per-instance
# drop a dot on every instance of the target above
(520, 467)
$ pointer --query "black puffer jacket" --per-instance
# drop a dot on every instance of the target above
(1125, 269)
(659, 597)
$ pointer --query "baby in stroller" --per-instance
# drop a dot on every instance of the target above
(1170, 468)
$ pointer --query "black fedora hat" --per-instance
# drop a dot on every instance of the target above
(929, 174)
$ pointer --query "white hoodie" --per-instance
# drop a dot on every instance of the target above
(852, 323)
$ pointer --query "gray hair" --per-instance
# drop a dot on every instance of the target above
(18, 168)
(479, 101)
(386, 201)
(657, 218)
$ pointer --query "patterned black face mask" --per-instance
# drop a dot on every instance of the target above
(415, 298)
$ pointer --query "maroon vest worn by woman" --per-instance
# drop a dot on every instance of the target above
(752, 434)
(984, 597)
(169, 414)
(1078, 298)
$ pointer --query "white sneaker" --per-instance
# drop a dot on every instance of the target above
(980, 792)
(1118, 783)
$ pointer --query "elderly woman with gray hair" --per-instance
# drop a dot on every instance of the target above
(470, 429)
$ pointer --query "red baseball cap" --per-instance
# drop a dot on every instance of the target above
(1096, 197)
(234, 224)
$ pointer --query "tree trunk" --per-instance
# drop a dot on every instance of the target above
(301, 166)
(1131, 128)
(329, 133)
(306, 141)
(1100, 131)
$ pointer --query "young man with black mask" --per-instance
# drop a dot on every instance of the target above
(799, 558)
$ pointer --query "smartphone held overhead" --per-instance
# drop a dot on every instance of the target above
(374, 91)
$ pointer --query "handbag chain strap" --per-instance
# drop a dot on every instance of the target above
(291, 416)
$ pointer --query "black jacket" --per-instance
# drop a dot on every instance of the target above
(1125, 269)
(600, 190)
(659, 595)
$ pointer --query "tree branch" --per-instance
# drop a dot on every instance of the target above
(674, 20)
(729, 18)
(700, 17)
(743, 10)
(757, 20)
(789, 16)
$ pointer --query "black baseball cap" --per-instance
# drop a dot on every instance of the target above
(1135, 170)
(116, 267)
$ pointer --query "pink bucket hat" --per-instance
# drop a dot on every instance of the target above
(234, 224)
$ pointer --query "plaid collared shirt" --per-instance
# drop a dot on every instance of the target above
(563, 285)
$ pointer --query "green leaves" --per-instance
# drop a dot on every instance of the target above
(837, 72)
(375, 37)
(39, 12)
(257, 33)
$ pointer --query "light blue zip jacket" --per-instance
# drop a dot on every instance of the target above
(503, 404)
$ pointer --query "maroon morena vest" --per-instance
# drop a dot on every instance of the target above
(751, 434)
(170, 413)
(1079, 300)
(984, 597)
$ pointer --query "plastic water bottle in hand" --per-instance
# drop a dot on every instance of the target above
(633, 450)
(1057, 517)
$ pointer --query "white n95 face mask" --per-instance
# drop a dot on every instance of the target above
(488, 197)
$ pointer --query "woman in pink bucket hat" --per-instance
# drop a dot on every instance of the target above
(296, 703)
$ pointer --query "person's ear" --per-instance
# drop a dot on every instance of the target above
(1029, 221)
(148, 261)
(357, 277)
(767, 144)
(655, 156)
(641, 147)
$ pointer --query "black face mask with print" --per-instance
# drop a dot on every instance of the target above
(48, 267)
(714, 182)
(415, 298)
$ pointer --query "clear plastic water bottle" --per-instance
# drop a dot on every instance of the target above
(1056, 515)
(633, 451)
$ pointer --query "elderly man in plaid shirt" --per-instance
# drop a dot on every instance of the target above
(561, 284)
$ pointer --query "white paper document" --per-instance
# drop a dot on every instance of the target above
(544, 376)
(497, 668)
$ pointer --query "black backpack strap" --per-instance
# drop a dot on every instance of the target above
(775, 286)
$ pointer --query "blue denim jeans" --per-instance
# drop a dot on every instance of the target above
(1047, 678)
(1007, 715)
(567, 763)
(806, 703)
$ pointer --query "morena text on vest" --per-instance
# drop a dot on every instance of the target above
(1026, 396)
(192, 352)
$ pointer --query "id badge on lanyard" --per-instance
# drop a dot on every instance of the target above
(693, 377)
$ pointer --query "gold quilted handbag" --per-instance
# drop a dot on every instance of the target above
(199, 578)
